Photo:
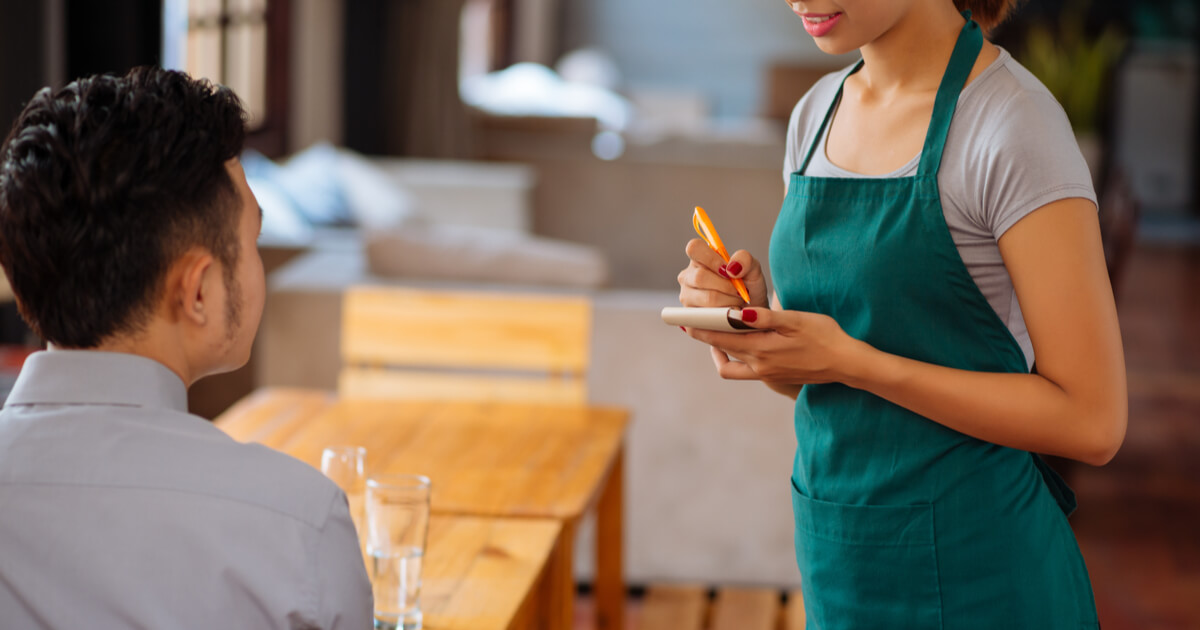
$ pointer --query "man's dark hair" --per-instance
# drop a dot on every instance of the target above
(103, 186)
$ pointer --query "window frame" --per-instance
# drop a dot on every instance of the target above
(270, 135)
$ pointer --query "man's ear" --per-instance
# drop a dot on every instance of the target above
(190, 288)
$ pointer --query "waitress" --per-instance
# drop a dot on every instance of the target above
(939, 233)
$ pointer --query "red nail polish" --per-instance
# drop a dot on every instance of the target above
(748, 315)
(735, 268)
(721, 270)
(683, 329)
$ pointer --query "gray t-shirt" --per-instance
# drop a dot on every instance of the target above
(1009, 151)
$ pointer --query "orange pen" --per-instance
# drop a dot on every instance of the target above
(705, 229)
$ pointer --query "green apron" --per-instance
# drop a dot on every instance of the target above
(902, 522)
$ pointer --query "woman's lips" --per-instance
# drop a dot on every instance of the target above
(819, 24)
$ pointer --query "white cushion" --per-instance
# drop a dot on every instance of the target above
(374, 201)
(471, 253)
(281, 222)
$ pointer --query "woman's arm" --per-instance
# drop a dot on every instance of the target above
(1075, 407)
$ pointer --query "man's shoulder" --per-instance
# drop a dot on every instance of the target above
(160, 451)
(268, 479)
(252, 474)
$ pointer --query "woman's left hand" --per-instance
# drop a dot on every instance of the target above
(795, 347)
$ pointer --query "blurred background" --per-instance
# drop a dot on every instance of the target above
(577, 135)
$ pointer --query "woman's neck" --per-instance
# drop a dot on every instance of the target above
(912, 55)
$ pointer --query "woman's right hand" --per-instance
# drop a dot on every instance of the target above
(706, 280)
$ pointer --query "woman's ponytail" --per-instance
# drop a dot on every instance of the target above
(989, 13)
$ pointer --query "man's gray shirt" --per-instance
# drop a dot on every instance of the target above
(118, 509)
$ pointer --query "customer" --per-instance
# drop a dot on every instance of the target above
(128, 233)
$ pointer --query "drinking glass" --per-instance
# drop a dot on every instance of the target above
(346, 466)
(397, 524)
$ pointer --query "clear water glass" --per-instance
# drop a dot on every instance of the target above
(346, 466)
(397, 526)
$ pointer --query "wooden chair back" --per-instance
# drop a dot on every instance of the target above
(402, 342)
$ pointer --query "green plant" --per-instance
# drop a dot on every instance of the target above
(1074, 67)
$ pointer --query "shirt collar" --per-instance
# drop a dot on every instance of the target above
(98, 378)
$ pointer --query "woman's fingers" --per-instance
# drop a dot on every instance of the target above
(707, 281)
(700, 287)
(767, 319)
(743, 265)
(701, 253)
(702, 284)
(746, 267)
(731, 370)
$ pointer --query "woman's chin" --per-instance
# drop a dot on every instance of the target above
(833, 47)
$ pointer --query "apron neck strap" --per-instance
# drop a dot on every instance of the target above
(812, 148)
(962, 60)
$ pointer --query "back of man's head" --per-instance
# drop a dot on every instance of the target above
(103, 185)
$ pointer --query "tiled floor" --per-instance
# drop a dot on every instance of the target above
(1139, 517)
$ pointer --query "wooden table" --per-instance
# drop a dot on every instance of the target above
(500, 459)
(480, 573)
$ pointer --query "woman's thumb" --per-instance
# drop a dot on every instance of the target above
(753, 317)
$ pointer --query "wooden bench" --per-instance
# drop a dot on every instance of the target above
(689, 607)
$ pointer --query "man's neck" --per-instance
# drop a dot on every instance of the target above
(156, 345)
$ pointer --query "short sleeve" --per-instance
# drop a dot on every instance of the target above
(1030, 159)
(344, 592)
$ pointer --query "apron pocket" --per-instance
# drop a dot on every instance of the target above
(867, 566)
